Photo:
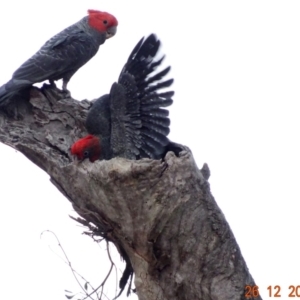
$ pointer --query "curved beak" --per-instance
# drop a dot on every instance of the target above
(111, 32)
(76, 160)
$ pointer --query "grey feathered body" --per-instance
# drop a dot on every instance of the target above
(131, 121)
(59, 58)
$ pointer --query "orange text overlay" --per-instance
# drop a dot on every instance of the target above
(252, 291)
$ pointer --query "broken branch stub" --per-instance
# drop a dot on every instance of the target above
(160, 214)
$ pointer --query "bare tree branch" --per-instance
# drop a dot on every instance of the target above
(160, 214)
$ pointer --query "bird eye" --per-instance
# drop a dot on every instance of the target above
(105, 22)
(86, 154)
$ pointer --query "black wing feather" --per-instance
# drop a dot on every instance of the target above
(140, 125)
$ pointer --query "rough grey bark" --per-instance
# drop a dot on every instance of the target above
(160, 214)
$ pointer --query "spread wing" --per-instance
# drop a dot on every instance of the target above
(139, 123)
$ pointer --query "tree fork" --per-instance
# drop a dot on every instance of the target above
(160, 214)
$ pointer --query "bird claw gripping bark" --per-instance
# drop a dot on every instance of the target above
(66, 93)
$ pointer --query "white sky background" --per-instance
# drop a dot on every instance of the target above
(236, 66)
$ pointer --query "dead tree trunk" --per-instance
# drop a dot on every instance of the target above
(160, 214)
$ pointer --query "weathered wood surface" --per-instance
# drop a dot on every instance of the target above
(160, 214)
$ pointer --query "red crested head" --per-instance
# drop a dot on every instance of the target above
(87, 147)
(103, 22)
